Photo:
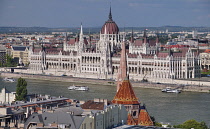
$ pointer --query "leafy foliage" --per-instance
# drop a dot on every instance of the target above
(192, 124)
(10, 62)
(21, 90)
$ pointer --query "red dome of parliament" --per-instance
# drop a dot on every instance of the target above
(111, 26)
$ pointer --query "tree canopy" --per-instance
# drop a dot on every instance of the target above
(10, 62)
(192, 124)
(21, 90)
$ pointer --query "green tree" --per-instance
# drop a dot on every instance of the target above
(192, 124)
(21, 90)
(10, 62)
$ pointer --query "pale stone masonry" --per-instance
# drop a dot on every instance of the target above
(102, 60)
(6, 97)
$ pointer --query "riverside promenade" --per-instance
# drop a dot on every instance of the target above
(186, 86)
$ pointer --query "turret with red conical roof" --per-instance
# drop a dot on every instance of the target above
(125, 95)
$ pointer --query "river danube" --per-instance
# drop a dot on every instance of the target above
(165, 107)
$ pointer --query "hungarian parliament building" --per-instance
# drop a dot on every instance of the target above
(81, 57)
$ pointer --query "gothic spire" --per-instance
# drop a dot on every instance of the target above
(145, 33)
(122, 73)
(110, 14)
(157, 37)
(81, 33)
(145, 36)
(132, 40)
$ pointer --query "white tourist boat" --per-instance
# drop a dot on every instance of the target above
(79, 88)
(9, 79)
(170, 90)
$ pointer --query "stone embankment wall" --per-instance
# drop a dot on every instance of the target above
(194, 88)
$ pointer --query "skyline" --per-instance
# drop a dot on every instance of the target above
(93, 13)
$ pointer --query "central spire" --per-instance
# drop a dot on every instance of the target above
(110, 13)
(122, 72)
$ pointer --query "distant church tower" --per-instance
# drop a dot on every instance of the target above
(137, 114)
(122, 71)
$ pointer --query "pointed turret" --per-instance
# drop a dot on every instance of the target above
(125, 94)
(81, 41)
(65, 42)
(144, 117)
(122, 72)
(145, 36)
(110, 14)
(33, 47)
(157, 38)
(81, 34)
(89, 40)
(132, 39)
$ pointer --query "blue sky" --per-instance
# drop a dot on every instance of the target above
(93, 13)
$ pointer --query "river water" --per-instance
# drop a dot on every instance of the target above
(165, 107)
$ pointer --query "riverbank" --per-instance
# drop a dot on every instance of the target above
(192, 88)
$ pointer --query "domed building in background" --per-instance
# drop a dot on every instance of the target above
(85, 57)
(110, 25)
(110, 31)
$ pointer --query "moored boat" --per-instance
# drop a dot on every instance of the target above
(82, 88)
(79, 88)
(170, 90)
(9, 79)
(72, 87)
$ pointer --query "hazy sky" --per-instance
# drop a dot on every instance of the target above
(93, 13)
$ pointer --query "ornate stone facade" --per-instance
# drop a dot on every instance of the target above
(102, 60)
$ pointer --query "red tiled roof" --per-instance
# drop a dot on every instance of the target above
(147, 56)
(72, 41)
(125, 94)
(90, 104)
(111, 27)
(144, 118)
(138, 42)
